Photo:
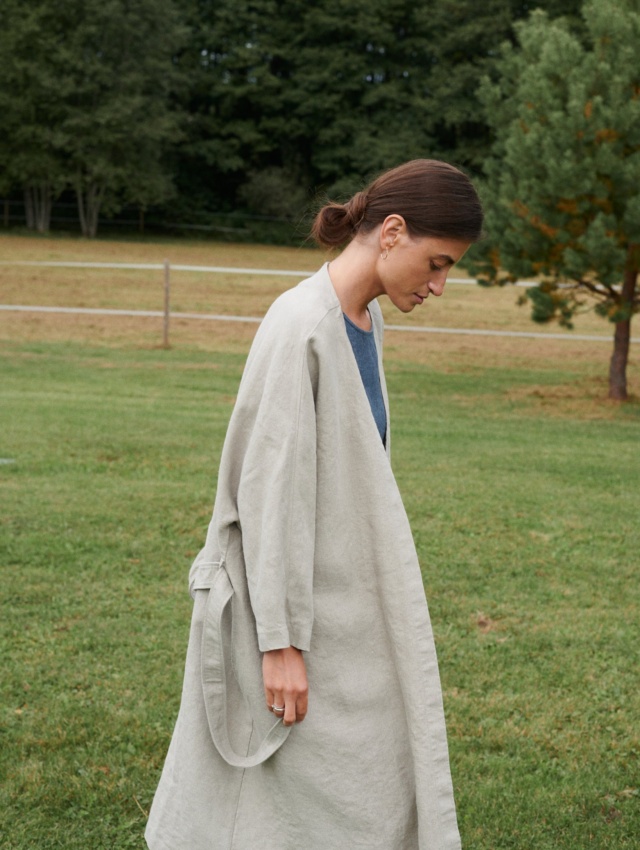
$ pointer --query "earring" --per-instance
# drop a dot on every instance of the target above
(385, 254)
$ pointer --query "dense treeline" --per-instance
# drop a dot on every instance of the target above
(87, 99)
(212, 105)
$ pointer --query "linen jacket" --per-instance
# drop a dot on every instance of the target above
(309, 545)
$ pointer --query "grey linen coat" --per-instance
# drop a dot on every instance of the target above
(310, 546)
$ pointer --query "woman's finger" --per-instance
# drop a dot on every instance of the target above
(301, 708)
(278, 705)
(289, 717)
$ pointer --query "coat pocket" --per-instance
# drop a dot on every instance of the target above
(212, 577)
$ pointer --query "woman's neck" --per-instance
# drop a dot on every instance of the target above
(354, 278)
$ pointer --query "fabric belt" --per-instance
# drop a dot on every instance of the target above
(212, 576)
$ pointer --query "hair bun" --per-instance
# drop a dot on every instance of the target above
(332, 226)
(336, 224)
(356, 209)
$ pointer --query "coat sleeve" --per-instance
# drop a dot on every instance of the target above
(276, 494)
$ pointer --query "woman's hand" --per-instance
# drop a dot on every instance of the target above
(285, 683)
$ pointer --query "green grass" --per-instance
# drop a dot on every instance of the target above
(527, 529)
(526, 525)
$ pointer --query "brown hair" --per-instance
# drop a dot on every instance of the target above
(433, 197)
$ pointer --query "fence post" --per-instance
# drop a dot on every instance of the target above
(167, 292)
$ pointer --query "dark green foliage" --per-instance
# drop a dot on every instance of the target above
(273, 192)
(333, 92)
(547, 302)
(31, 105)
(85, 98)
(317, 96)
(328, 92)
(118, 118)
(464, 38)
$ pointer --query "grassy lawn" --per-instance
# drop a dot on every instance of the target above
(521, 485)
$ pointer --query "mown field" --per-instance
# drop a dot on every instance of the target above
(521, 484)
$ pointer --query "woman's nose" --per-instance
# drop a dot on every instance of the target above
(437, 282)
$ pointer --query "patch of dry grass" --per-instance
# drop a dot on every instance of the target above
(461, 307)
(251, 295)
(204, 253)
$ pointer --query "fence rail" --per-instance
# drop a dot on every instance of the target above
(463, 281)
(167, 314)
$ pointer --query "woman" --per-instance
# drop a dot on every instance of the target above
(308, 594)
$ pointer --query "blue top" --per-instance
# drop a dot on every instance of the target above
(366, 354)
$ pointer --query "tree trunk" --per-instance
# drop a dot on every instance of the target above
(42, 207)
(622, 337)
(37, 204)
(28, 208)
(45, 211)
(89, 202)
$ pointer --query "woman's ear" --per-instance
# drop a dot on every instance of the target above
(392, 227)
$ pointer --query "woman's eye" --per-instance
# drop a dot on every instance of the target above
(435, 268)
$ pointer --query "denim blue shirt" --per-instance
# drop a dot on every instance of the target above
(366, 354)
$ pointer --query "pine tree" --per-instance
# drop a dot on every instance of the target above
(465, 37)
(563, 183)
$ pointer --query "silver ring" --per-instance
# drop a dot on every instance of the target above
(277, 707)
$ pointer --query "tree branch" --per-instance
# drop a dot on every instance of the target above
(609, 292)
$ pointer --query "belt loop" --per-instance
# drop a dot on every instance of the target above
(214, 681)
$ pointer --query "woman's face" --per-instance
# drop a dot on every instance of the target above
(415, 268)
